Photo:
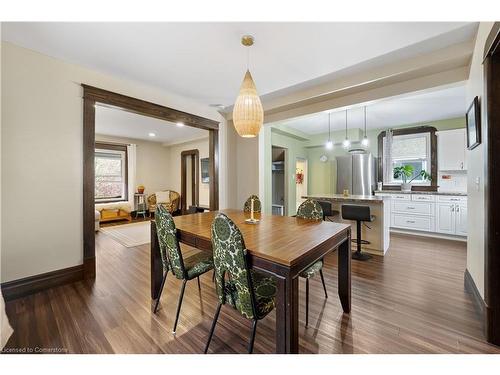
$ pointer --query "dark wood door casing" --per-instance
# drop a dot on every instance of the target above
(491, 137)
(194, 155)
(93, 95)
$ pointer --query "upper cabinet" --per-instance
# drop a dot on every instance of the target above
(451, 150)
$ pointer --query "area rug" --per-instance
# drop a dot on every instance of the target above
(130, 235)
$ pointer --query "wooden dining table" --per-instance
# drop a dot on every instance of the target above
(281, 246)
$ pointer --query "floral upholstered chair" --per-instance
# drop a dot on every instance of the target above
(249, 292)
(172, 205)
(256, 204)
(311, 210)
(171, 257)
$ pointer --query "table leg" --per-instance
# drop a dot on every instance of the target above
(287, 316)
(156, 265)
(344, 273)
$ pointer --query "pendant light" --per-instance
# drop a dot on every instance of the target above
(329, 143)
(346, 143)
(248, 114)
(365, 140)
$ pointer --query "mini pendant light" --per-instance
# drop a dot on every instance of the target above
(365, 140)
(248, 114)
(346, 143)
(329, 143)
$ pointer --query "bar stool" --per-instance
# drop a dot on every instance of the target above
(328, 213)
(359, 214)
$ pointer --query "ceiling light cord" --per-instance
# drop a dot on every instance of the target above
(329, 133)
(365, 121)
(365, 141)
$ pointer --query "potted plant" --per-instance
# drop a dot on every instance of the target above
(404, 172)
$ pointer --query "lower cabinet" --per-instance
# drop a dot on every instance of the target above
(445, 218)
(461, 219)
(445, 214)
(451, 215)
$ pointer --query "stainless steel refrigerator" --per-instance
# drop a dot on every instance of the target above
(356, 173)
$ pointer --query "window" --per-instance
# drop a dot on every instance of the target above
(408, 147)
(110, 173)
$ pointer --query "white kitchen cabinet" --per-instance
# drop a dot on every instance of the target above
(445, 217)
(452, 145)
(461, 219)
(444, 214)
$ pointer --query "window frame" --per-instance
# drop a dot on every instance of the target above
(431, 158)
(116, 148)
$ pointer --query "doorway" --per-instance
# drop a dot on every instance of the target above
(190, 179)
(300, 180)
(279, 189)
(93, 96)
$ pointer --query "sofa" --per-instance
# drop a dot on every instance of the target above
(171, 201)
(114, 211)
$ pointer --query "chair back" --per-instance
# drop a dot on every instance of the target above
(356, 212)
(256, 204)
(170, 249)
(310, 209)
(326, 207)
(232, 274)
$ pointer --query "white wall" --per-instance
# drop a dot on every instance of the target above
(152, 163)
(42, 157)
(476, 167)
(175, 167)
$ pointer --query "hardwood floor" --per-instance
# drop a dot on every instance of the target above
(411, 301)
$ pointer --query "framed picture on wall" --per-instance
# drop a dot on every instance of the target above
(473, 121)
(205, 179)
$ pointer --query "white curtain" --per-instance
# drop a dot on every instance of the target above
(388, 156)
(131, 159)
(5, 329)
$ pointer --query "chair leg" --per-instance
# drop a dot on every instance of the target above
(179, 304)
(214, 322)
(199, 285)
(307, 302)
(161, 290)
(252, 337)
(323, 281)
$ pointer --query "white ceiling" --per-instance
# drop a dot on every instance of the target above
(205, 61)
(119, 123)
(418, 107)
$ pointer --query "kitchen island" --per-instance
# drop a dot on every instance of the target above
(375, 232)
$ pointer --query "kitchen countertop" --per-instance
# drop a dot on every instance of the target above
(349, 198)
(464, 194)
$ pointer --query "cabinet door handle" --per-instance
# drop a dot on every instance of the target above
(410, 208)
(410, 221)
(458, 208)
(452, 208)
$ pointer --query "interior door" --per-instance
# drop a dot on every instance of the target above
(445, 215)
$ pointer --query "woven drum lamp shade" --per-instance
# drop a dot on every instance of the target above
(248, 114)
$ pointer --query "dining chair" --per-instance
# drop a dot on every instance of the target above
(256, 204)
(171, 256)
(249, 292)
(311, 210)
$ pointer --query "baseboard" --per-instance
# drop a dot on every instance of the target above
(33, 284)
(429, 234)
(479, 304)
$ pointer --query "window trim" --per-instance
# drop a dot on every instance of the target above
(433, 157)
(114, 147)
